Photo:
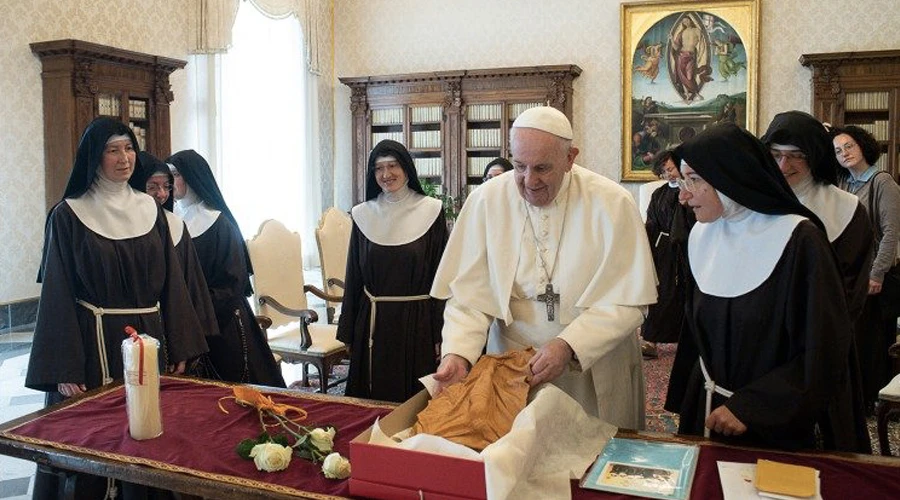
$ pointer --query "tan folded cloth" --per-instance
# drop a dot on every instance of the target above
(480, 409)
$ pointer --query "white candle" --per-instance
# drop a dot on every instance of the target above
(142, 386)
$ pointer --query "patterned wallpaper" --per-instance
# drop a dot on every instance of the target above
(153, 26)
(379, 37)
(160, 27)
(382, 37)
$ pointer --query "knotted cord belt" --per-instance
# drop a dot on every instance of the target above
(374, 301)
(711, 387)
(99, 312)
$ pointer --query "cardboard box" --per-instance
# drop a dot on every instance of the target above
(392, 473)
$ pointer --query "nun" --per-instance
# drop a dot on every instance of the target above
(390, 323)
(154, 177)
(769, 337)
(802, 149)
(99, 242)
(240, 353)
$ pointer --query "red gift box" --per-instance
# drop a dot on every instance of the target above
(392, 473)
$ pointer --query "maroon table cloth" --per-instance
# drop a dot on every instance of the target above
(198, 438)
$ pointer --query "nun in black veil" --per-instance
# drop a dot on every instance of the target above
(99, 242)
(155, 178)
(398, 237)
(240, 353)
(768, 324)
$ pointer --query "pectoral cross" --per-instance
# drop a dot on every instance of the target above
(549, 298)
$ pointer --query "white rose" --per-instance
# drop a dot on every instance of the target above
(271, 457)
(322, 439)
(336, 467)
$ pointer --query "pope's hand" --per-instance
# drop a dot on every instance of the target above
(724, 422)
(453, 368)
(550, 361)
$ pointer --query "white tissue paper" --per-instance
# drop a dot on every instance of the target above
(552, 441)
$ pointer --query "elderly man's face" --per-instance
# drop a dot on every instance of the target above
(541, 161)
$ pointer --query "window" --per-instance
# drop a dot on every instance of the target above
(264, 171)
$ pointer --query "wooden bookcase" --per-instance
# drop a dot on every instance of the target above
(863, 89)
(82, 81)
(452, 122)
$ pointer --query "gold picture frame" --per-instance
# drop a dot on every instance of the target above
(685, 65)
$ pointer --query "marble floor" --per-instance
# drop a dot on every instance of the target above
(16, 476)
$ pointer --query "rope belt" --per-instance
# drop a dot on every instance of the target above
(374, 301)
(711, 387)
(99, 312)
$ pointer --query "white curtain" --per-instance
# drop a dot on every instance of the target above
(267, 166)
(213, 20)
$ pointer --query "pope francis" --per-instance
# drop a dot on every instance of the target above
(554, 256)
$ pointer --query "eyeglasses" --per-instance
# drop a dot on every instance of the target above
(691, 184)
(155, 188)
(846, 148)
(790, 156)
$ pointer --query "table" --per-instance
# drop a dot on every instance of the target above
(209, 466)
(196, 453)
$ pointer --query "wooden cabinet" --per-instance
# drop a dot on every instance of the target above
(82, 81)
(452, 122)
(862, 89)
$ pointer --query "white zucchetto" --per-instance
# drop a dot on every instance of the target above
(546, 118)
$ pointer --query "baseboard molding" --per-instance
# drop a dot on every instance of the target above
(18, 315)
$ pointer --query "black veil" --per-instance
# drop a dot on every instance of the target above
(150, 166)
(807, 133)
(195, 171)
(740, 166)
(388, 147)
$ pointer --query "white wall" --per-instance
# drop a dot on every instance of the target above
(378, 37)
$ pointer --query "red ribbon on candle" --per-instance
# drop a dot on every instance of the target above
(131, 332)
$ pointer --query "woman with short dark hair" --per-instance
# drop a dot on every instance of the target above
(857, 151)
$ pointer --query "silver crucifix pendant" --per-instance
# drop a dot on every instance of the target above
(549, 298)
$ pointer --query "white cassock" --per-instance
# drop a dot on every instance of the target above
(492, 269)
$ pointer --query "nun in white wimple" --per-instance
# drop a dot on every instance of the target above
(767, 358)
(802, 149)
(99, 243)
(391, 324)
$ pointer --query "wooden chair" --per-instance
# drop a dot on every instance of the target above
(333, 240)
(887, 405)
(280, 294)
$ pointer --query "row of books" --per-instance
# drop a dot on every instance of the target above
(880, 129)
(516, 109)
(429, 167)
(426, 139)
(492, 112)
(483, 138)
(381, 136)
(109, 105)
(483, 112)
(476, 164)
(387, 116)
(856, 101)
(425, 114)
(141, 134)
(137, 109)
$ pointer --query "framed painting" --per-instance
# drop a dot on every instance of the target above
(686, 65)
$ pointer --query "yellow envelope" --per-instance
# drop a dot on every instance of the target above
(785, 479)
